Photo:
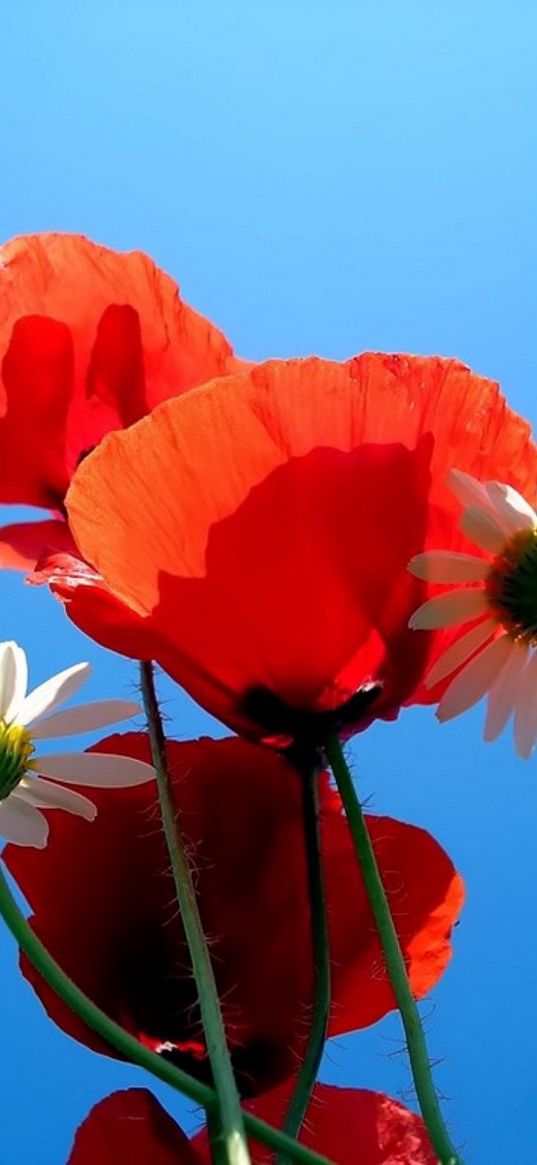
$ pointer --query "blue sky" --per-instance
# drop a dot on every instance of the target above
(320, 177)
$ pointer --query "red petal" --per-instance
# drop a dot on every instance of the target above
(346, 1125)
(131, 1126)
(82, 590)
(116, 368)
(350, 1125)
(90, 340)
(262, 527)
(114, 929)
(22, 544)
(37, 373)
(343, 1124)
(424, 907)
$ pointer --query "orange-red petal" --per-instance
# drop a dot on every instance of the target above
(261, 526)
(90, 340)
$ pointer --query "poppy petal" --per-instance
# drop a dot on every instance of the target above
(131, 1125)
(22, 544)
(346, 1125)
(262, 527)
(90, 340)
(349, 1125)
(343, 1124)
(115, 931)
(37, 359)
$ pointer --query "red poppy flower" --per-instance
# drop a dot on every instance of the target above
(102, 898)
(90, 340)
(254, 535)
(342, 1124)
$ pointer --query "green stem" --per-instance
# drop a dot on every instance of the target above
(233, 1134)
(307, 1075)
(127, 1045)
(417, 1048)
(216, 1143)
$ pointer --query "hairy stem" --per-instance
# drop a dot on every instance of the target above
(214, 1130)
(395, 963)
(307, 1075)
(127, 1045)
(231, 1120)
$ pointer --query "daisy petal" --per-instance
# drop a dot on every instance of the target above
(445, 566)
(52, 693)
(468, 490)
(449, 609)
(483, 529)
(23, 824)
(511, 508)
(45, 795)
(477, 496)
(460, 651)
(13, 678)
(96, 769)
(503, 693)
(475, 679)
(7, 675)
(87, 718)
(526, 710)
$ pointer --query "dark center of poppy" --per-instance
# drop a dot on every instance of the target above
(512, 586)
(16, 749)
(307, 730)
(83, 454)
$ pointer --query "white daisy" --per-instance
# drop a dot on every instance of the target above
(498, 655)
(28, 782)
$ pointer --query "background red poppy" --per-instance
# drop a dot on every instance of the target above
(103, 902)
(90, 340)
(343, 1124)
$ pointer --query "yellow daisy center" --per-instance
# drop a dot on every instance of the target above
(512, 586)
(16, 749)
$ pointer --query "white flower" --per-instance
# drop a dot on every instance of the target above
(498, 655)
(25, 787)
